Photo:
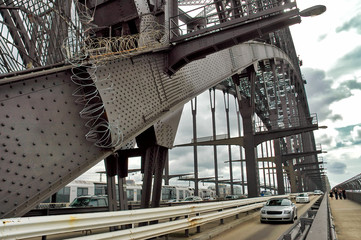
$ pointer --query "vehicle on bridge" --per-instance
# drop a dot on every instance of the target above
(89, 201)
(266, 193)
(89, 189)
(317, 192)
(278, 209)
(302, 198)
(193, 199)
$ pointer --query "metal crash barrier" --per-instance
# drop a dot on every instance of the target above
(135, 223)
(315, 223)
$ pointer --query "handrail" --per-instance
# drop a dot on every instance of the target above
(25, 227)
(246, 12)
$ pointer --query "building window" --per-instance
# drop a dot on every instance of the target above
(63, 195)
(82, 191)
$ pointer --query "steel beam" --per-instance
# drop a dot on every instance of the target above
(193, 49)
(212, 100)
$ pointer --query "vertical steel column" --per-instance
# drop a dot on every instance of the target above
(268, 165)
(273, 169)
(293, 183)
(158, 173)
(166, 172)
(279, 168)
(240, 147)
(122, 174)
(247, 110)
(236, 9)
(220, 10)
(150, 156)
(171, 18)
(250, 149)
(264, 170)
(195, 149)
(213, 110)
(226, 107)
(111, 168)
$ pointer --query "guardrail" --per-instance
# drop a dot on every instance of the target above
(164, 220)
(315, 223)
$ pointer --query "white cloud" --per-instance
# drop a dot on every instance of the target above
(356, 133)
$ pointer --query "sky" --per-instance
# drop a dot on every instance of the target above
(329, 46)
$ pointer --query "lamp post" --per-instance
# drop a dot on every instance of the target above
(313, 11)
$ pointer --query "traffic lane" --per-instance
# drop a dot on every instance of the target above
(254, 229)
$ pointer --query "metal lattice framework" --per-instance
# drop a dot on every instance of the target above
(32, 32)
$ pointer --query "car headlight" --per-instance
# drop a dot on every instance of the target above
(287, 211)
(263, 211)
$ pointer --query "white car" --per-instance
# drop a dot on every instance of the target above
(278, 209)
(302, 198)
(317, 192)
(193, 199)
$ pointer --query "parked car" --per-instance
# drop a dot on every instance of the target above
(193, 199)
(317, 192)
(89, 201)
(278, 209)
(209, 198)
(266, 193)
(302, 198)
(232, 197)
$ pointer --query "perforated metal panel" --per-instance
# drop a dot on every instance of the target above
(166, 129)
(142, 93)
(42, 141)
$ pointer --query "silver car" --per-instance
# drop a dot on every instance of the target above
(279, 209)
(302, 198)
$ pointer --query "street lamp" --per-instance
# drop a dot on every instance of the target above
(313, 11)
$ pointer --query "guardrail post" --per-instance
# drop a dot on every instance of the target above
(287, 237)
(221, 221)
(304, 222)
(198, 227)
(186, 232)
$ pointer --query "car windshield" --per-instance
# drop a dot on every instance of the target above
(278, 202)
(302, 195)
(80, 202)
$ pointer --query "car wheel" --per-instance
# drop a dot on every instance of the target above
(262, 221)
(293, 218)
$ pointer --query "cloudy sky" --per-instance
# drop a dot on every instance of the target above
(330, 48)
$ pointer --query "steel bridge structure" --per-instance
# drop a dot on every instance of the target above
(82, 81)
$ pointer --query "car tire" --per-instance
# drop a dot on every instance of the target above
(293, 218)
(262, 221)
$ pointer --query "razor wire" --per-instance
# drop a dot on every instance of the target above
(84, 74)
(88, 55)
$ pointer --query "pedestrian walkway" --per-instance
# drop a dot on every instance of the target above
(347, 219)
